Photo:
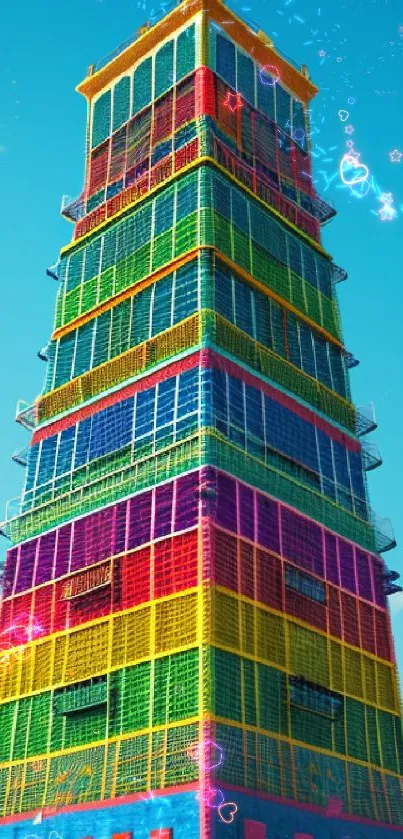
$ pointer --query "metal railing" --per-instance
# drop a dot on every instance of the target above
(26, 414)
(371, 457)
(365, 420)
(20, 456)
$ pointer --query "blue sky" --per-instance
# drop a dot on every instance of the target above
(354, 52)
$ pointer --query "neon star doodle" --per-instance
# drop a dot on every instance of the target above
(233, 101)
(395, 156)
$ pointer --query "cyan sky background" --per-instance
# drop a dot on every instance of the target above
(45, 50)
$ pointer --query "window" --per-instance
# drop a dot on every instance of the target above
(121, 102)
(225, 59)
(305, 584)
(246, 77)
(185, 52)
(142, 85)
(315, 698)
(164, 65)
(101, 120)
(283, 108)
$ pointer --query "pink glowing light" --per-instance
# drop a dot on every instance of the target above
(227, 811)
(197, 751)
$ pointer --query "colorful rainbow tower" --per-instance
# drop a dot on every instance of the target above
(195, 640)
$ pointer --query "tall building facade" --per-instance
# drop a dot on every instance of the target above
(195, 633)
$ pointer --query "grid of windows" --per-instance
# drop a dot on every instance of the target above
(135, 428)
(151, 78)
(197, 209)
(271, 432)
(168, 413)
(202, 283)
(145, 150)
(257, 85)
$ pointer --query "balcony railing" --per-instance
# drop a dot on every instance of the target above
(72, 208)
(389, 582)
(384, 535)
(365, 420)
(43, 353)
(339, 274)
(20, 456)
(167, 7)
(322, 211)
(351, 361)
(53, 271)
(26, 415)
(371, 456)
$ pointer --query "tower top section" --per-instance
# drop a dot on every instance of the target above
(250, 38)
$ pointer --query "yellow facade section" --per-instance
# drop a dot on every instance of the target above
(204, 615)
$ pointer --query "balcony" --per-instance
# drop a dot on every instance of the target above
(72, 208)
(371, 457)
(365, 420)
(26, 415)
(389, 582)
(20, 456)
(384, 535)
(43, 353)
(53, 271)
(339, 274)
(82, 697)
(351, 361)
(322, 211)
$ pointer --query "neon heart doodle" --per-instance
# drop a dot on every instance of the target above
(231, 810)
(14, 641)
(352, 172)
(343, 115)
(211, 755)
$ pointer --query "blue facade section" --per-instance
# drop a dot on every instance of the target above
(169, 412)
(283, 821)
(180, 812)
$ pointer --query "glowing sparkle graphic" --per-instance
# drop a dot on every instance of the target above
(395, 156)
(349, 129)
(233, 101)
(387, 212)
(352, 172)
(211, 755)
(227, 812)
(269, 75)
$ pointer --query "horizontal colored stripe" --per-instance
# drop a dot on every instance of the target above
(174, 564)
(135, 289)
(76, 243)
(178, 502)
(239, 31)
(177, 623)
(203, 448)
(314, 808)
(208, 359)
(208, 717)
(100, 804)
(185, 335)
